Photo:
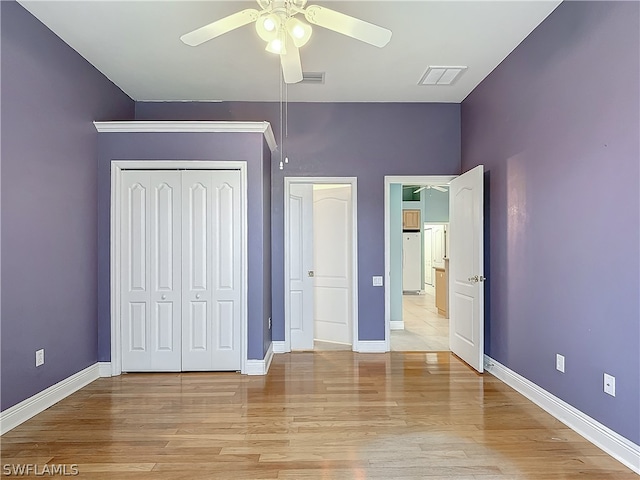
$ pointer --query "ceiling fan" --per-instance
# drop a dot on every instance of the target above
(277, 24)
(439, 188)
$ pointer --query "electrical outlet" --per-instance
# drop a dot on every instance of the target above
(610, 384)
(377, 280)
(560, 362)
(39, 357)
(269, 323)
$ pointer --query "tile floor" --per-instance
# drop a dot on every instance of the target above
(424, 328)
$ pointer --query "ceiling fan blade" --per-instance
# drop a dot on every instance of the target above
(219, 27)
(439, 188)
(347, 25)
(291, 66)
(420, 189)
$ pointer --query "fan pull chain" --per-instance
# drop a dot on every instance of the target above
(286, 116)
(281, 122)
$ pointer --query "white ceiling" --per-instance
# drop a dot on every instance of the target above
(136, 45)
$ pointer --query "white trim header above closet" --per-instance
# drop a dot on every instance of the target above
(190, 127)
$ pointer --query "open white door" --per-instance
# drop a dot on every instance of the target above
(466, 268)
(332, 259)
(300, 275)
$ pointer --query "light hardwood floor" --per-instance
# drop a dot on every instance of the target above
(424, 328)
(316, 415)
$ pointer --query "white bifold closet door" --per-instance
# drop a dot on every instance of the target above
(180, 294)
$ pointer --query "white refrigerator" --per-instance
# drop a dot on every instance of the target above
(411, 262)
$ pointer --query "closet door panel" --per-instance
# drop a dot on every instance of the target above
(226, 354)
(150, 259)
(196, 271)
(211, 263)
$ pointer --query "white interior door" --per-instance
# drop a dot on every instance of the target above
(332, 232)
(428, 255)
(466, 268)
(180, 286)
(151, 278)
(211, 270)
(300, 275)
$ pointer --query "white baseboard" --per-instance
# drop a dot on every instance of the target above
(620, 448)
(260, 367)
(279, 346)
(396, 324)
(23, 411)
(104, 369)
(371, 346)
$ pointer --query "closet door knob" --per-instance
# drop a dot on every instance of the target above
(197, 295)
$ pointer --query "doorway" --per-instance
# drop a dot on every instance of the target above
(425, 319)
(465, 279)
(412, 320)
(320, 263)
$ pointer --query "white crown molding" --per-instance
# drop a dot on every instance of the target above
(260, 367)
(371, 346)
(138, 126)
(30, 407)
(620, 448)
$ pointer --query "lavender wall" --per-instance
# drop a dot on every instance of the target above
(50, 96)
(556, 125)
(367, 141)
(249, 147)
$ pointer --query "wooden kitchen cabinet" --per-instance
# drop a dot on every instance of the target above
(442, 294)
(411, 219)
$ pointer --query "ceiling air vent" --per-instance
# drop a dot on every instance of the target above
(316, 78)
(441, 75)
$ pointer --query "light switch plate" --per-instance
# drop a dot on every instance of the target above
(377, 280)
(560, 362)
(610, 384)
(39, 357)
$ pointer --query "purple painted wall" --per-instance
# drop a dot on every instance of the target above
(556, 125)
(50, 95)
(367, 141)
(248, 147)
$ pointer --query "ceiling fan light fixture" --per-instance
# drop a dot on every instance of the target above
(277, 45)
(300, 32)
(267, 27)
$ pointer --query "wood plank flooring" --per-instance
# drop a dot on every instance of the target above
(316, 415)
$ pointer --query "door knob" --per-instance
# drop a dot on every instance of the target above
(477, 278)
(197, 295)
(164, 297)
(311, 273)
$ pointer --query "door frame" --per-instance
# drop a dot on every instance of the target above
(421, 180)
(117, 167)
(353, 182)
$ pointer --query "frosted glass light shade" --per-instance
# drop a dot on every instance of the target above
(267, 27)
(277, 45)
(300, 32)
